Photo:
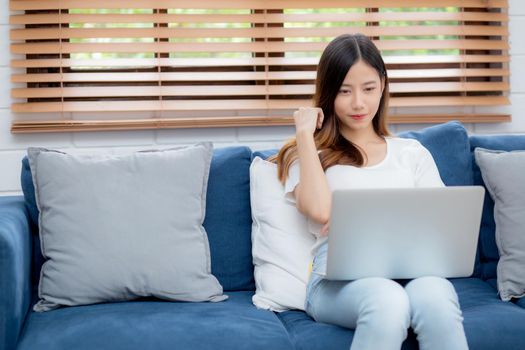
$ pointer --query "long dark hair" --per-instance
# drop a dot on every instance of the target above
(335, 62)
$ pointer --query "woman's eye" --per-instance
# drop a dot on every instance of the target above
(370, 89)
(344, 91)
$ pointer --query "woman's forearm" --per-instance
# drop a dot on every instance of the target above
(312, 194)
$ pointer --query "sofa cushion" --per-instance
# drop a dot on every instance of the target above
(488, 250)
(228, 196)
(150, 324)
(306, 334)
(228, 219)
(449, 145)
(521, 302)
(489, 322)
(116, 228)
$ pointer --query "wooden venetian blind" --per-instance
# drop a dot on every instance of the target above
(256, 59)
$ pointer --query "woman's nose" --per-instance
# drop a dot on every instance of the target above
(357, 101)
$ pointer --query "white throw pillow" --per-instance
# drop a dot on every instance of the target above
(281, 243)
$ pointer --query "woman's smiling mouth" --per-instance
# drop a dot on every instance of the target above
(358, 116)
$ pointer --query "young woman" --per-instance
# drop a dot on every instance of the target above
(343, 142)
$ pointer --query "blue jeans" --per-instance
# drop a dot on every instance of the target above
(381, 310)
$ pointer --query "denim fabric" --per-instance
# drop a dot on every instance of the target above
(435, 314)
(316, 277)
(306, 334)
(15, 264)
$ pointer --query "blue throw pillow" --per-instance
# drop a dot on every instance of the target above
(228, 220)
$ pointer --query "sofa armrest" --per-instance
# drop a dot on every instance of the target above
(15, 268)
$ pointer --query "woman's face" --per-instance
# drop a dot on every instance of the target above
(358, 99)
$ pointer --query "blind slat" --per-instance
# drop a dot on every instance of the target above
(189, 105)
(22, 5)
(49, 48)
(205, 33)
(258, 18)
(239, 90)
(251, 61)
(243, 76)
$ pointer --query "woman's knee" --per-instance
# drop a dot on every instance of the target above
(374, 303)
(434, 296)
(387, 299)
(430, 289)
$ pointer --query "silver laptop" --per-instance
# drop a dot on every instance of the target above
(404, 233)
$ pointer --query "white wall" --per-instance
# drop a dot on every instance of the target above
(12, 147)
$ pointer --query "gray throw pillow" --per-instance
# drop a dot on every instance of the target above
(116, 228)
(502, 173)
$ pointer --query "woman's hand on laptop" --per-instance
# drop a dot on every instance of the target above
(324, 230)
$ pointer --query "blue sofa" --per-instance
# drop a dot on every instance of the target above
(236, 324)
